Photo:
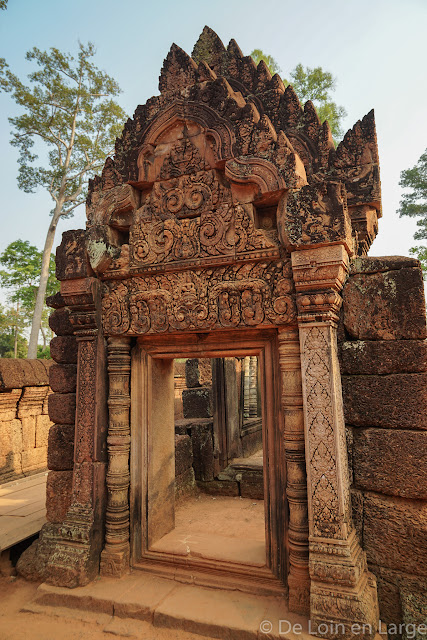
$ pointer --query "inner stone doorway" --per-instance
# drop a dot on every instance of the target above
(179, 522)
(219, 487)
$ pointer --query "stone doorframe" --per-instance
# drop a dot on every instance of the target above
(340, 587)
(152, 447)
(335, 584)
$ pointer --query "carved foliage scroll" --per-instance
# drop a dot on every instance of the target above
(321, 443)
(247, 295)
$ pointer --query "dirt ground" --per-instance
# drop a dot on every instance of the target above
(67, 624)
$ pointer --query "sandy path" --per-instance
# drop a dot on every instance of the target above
(67, 624)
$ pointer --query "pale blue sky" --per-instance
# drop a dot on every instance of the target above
(375, 48)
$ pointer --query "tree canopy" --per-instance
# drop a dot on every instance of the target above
(20, 276)
(414, 204)
(313, 84)
(272, 64)
(12, 342)
(69, 108)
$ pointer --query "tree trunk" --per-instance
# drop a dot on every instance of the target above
(44, 276)
(15, 346)
(43, 336)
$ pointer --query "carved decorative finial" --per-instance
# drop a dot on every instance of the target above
(291, 107)
(178, 71)
(234, 50)
(311, 117)
(359, 146)
(276, 82)
(209, 47)
(263, 76)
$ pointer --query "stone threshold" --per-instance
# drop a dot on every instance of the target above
(165, 603)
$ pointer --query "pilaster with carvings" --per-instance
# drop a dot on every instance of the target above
(115, 556)
(342, 589)
(75, 560)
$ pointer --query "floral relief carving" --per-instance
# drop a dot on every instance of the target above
(244, 295)
(321, 444)
(187, 196)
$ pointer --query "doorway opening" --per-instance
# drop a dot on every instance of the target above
(207, 470)
(219, 487)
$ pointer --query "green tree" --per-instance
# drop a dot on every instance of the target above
(21, 273)
(3, 4)
(12, 343)
(420, 253)
(272, 64)
(414, 204)
(69, 107)
(313, 84)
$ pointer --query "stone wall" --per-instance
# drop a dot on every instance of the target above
(383, 354)
(24, 423)
(62, 410)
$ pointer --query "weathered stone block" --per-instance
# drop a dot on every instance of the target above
(62, 408)
(71, 257)
(357, 511)
(394, 533)
(10, 437)
(192, 374)
(385, 306)
(63, 378)
(197, 403)
(19, 372)
(380, 264)
(389, 599)
(203, 454)
(58, 494)
(34, 459)
(33, 563)
(402, 599)
(359, 357)
(56, 301)
(9, 404)
(63, 349)
(185, 484)
(219, 487)
(31, 401)
(413, 594)
(393, 401)
(43, 425)
(60, 453)
(28, 432)
(59, 322)
(393, 462)
(252, 485)
(183, 454)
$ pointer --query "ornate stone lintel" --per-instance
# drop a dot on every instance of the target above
(296, 484)
(116, 553)
(342, 590)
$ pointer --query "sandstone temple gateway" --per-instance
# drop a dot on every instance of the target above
(228, 225)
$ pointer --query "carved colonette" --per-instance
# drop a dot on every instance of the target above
(296, 478)
(115, 555)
